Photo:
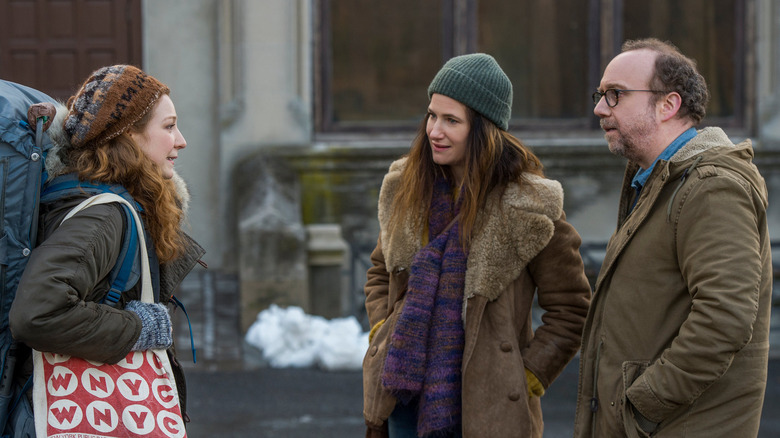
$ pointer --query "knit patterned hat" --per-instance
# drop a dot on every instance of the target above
(110, 101)
(477, 81)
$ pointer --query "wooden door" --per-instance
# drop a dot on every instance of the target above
(53, 45)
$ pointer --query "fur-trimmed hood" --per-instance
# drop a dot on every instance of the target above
(509, 232)
(55, 165)
(716, 149)
(711, 148)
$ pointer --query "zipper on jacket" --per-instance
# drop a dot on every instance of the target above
(594, 401)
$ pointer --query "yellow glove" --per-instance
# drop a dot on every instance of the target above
(535, 387)
(374, 329)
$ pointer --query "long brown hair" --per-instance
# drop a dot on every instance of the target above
(121, 161)
(494, 158)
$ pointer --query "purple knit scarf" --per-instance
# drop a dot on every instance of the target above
(426, 349)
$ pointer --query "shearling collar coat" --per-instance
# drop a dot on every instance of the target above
(679, 322)
(521, 245)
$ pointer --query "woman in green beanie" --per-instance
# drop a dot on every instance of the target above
(470, 230)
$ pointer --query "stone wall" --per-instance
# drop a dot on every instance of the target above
(341, 186)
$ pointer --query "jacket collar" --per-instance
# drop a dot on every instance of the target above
(710, 147)
(510, 231)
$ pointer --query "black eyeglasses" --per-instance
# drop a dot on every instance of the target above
(612, 95)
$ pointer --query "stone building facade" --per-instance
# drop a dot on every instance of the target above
(265, 167)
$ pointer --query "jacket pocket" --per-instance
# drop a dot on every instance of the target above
(377, 346)
(380, 340)
(378, 403)
(631, 371)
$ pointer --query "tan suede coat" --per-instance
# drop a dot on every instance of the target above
(679, 323)
(522, 248)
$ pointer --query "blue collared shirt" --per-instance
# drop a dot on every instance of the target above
(641, 176)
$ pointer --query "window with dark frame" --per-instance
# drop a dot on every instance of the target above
(712, 32)
(374, 60)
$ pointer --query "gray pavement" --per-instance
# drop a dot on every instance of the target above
(297, 403)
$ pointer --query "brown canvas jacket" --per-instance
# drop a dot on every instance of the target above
(679, 322)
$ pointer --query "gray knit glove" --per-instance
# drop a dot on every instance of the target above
(156, 331)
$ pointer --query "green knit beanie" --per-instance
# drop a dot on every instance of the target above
(477, 81)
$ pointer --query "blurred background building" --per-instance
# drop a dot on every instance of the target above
(294, 109)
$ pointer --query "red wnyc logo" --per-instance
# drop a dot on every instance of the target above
(136, 396)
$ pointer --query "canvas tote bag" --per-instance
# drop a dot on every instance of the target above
(137, 397)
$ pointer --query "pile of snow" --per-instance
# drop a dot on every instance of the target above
(291, 338)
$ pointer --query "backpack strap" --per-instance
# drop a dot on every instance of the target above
(126, 272)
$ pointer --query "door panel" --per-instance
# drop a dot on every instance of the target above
(53, 45)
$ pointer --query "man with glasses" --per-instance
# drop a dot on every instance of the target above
(676, 339)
